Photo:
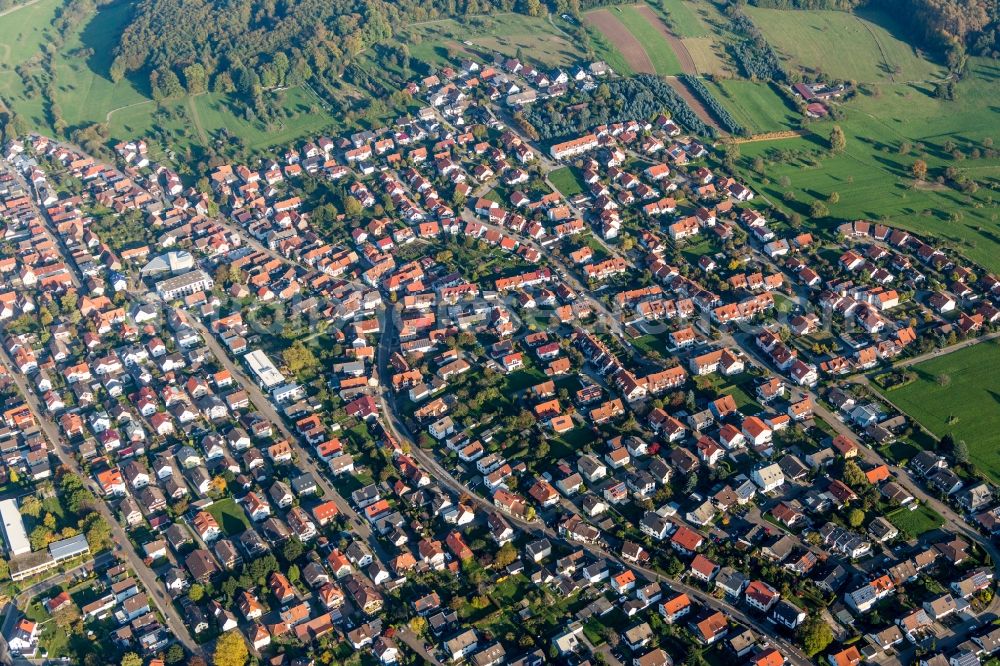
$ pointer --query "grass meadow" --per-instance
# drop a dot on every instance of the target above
(887, 130)
(864, 46)
(966, 406)
(755, 105)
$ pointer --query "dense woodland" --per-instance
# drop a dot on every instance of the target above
(249, 45)
(618, 100)
(755, 56)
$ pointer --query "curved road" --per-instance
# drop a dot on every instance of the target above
(536, 528)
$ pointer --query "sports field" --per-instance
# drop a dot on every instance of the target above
(865, 46)
(966, 405)
(756, 106)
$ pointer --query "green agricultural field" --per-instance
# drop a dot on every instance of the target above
(230, 516)
(913, 524)
(864, 46)
(505, 33)
(660, 53)
(872, 176)
(566, 182)
(755, 105)
(682, 18)
(966, 405)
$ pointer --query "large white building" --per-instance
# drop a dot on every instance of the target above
(184, 285)
(14, 533)
(263, 369)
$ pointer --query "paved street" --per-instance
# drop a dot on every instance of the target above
(156, 590)
(536, 528)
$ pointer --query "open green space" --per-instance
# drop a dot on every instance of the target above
(912, 524)
(886, 132)
(740, 386)
(652, 343)
(864, 46)
(215, 113)
(230, 516)
(566, 182)
(682, 18)
(756, 105)
(84, 94)
(435, 42)
(958, 394)
(660, 53)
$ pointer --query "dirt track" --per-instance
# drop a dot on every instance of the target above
(637, 58)
(694, 102)
(683, 56)
(623, 40)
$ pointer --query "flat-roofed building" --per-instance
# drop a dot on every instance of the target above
(184, 284)
(14, 533)
(263, 369)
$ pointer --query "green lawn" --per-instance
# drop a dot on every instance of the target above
(232, 519)
(652, 343)
(566, 182)
(866, 46)
(970, 400)
(214, 112)
(657, 48)
(912, 524)
(755, 105)
(739, 386)
(682, 18)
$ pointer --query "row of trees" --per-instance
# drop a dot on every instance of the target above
(720, 112)
(642, 96)
(755, 56)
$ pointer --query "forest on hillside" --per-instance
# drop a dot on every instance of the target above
(245, 45)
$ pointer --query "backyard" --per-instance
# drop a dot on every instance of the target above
(913, 524)
(230, 516)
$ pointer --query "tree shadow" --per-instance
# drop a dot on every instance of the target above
(101, 36)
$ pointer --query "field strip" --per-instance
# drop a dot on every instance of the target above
(622, 39)
(193, 112)
(694, 102)
(683, 55)
(772, 136)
